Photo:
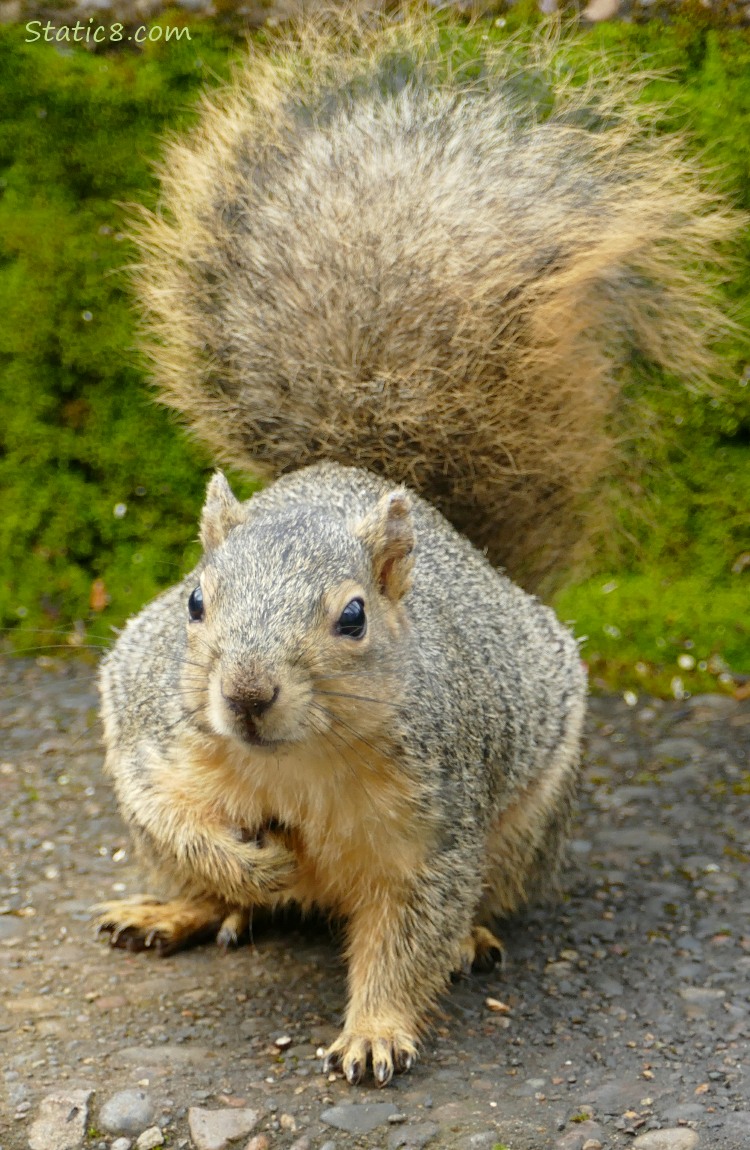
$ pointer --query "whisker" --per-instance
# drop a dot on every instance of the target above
(71, 648)
(337, 719)
(358, 698)
(326, 735)
(21, 629)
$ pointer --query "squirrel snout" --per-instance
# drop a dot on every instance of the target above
(252, 700)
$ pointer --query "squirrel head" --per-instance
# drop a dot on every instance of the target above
(296, 621)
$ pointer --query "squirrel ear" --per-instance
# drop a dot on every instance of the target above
(221, 512)
(388, 534)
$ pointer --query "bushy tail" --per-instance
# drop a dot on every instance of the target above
(365, 256)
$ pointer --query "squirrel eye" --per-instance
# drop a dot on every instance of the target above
(353, 621)
(195, 605)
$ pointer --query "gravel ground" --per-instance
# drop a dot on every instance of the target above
(621, 1018)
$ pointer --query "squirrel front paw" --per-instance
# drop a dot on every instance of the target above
(243, 871)
(382, 1047)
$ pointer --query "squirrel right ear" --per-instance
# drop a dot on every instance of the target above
(221, 512)
(388, 534)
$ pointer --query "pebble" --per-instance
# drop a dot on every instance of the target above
(615, 1097)
(258, 1142)
(215, 1129)
(150, 1139)
(62, 1121)
(702, 994)
(121, 1144)
(359, 1118)
(127, 1112)
(413, 1137)
(487, 1140)
(685, 1112)
(601, 10)
(678, 749)
(677, 1138)
(581, 1135)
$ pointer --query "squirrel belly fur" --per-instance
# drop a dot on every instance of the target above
(414, 306)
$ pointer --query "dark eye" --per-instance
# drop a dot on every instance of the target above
(352, 621)
(195, 605)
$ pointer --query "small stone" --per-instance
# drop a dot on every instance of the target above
(685, 1112)
(396, 1119)
(302, 1143)
(702, 994)
(601, 10)
(496, 1005)
(487, 1140)
(121, 1144)
(288, 1122)
(127, 1112)
(413, 1137)
(582, 1134)
(259, 1142)
(215, 1129)
(150, 1139)
(62, 1121)
(677, 1138)
(359, 1118)
(679, 749)
(283, 1042)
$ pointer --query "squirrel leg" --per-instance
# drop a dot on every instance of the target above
(145, 923)
(403, 946)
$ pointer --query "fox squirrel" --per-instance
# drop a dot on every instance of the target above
(346, 704)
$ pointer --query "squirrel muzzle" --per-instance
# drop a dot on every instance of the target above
(248, 702)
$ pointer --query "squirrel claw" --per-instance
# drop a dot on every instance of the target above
(354, 1072)
(351, 1054)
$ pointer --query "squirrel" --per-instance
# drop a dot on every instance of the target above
(413, 302)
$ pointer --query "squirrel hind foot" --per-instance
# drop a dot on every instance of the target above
(144, 923)
(480, 951)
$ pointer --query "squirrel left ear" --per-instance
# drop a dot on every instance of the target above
(388, 533)
(221, 512)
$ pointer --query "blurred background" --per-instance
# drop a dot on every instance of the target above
(100, 488)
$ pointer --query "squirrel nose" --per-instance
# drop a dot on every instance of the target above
(253, 700)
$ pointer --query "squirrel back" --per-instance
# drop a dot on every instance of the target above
(364, 261)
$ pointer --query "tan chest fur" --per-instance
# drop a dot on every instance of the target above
(350, 819)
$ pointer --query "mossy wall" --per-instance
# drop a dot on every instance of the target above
(101, 489)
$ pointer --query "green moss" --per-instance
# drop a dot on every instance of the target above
(81, 437)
